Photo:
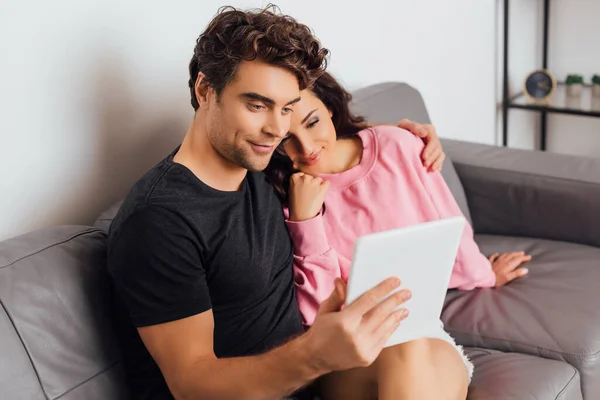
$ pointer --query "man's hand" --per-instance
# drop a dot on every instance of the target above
(433, 155)
(506, 266)
(354, 337)
(307, 195)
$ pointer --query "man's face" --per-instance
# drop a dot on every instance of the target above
(253, 114)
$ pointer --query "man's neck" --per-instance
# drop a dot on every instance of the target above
(200, 157)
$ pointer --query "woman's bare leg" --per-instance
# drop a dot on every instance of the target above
(354, 384)
(420, 369)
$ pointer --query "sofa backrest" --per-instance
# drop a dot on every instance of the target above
(381, 103)
(389, 102)
(56, 333)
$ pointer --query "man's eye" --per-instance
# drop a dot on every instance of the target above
(287, 110)
(256, 107)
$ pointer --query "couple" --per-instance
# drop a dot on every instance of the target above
(213, 298)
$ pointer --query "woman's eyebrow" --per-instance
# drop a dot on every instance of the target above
(308, 116)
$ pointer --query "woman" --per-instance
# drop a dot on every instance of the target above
(340, 179)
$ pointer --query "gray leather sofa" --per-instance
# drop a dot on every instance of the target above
(538, 338)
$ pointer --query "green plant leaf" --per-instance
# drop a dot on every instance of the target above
(573, 79)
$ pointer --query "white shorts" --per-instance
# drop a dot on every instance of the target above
(445, 336)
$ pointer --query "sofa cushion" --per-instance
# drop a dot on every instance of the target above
(513, 376)
(515, 192)
(387, 103)
(553, 313)
(54, 287)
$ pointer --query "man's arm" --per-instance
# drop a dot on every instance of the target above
(346, 339)
(183, 349)
(158, 273)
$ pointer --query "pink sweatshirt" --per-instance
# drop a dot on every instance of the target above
(390, 188)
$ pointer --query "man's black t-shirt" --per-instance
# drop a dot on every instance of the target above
(179, 247)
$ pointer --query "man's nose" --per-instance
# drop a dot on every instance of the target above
(278, 125)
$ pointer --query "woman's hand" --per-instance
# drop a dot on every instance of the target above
(307, 195)
(506, 266)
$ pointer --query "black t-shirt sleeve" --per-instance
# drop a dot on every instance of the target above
(155, 261)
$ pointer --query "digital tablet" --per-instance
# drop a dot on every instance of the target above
(422, 257)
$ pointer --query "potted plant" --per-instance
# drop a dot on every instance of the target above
(596, 86)
(574, 85)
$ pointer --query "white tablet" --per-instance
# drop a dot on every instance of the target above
(422, 257)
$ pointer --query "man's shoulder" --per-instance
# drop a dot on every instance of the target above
(158, 191)
(170, 194)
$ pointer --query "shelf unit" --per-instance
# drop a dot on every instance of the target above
(559, 103)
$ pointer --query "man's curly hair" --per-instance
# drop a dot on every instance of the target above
(234, 36)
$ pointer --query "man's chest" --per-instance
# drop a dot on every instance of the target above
(247, 256)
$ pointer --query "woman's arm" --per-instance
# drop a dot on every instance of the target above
(316, 265)
(472, 269)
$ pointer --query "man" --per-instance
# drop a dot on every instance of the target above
(199, 253)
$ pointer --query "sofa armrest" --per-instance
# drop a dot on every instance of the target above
(527, 193)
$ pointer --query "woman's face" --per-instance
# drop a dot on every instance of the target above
(311, 139)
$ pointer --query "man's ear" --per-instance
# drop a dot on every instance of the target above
(203, 89)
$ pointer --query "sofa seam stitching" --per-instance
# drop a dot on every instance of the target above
(529, 174)
(108, 368)
(74, 236)
(567, 384)
(580, 356)
(35, 370)
(486, 351)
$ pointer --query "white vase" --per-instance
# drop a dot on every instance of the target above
(574, 89)
(596, 90)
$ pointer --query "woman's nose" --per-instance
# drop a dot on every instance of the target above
(306, 146)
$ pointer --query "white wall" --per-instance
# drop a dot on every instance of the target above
(93, 93)
(573, 48)
(431, 44)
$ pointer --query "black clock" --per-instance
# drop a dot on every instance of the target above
(539, 85)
